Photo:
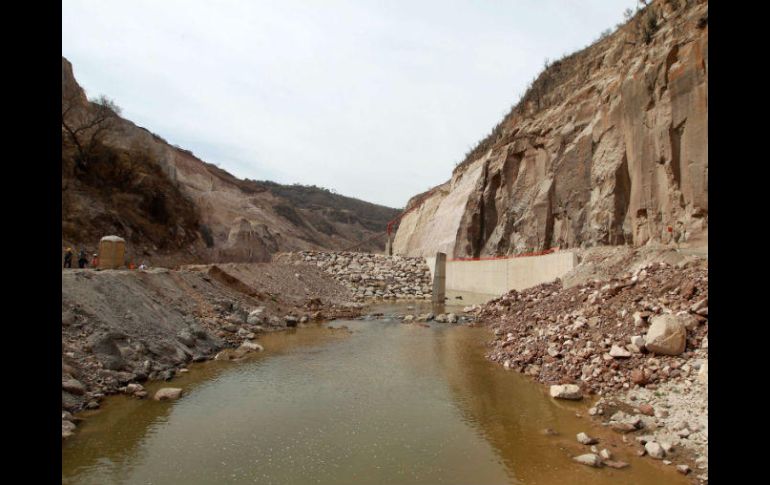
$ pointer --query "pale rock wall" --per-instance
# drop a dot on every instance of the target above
(618, 154)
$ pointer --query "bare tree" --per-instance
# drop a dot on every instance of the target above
(86, 125)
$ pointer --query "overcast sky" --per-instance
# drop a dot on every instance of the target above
(374, 99)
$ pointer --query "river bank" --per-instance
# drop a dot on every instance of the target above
(351, 401)
(638, 340)
(123, 328)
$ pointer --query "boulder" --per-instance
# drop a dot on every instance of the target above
(647, 410)
(67, 429)
(133, 388)
(198, 331)
(236, 318)
(67, 425)
(585, 439)
(640, 376)
(186, 337)
(703, 373)
(73, 386)
(566, 391)
(168, 393)
(623, 427)
(638, 341)
(255, 316)
(689, 321)
(589, 459)
(654, 450)
(251, 346)
(701, 304)
(619, 352)
(667, 335)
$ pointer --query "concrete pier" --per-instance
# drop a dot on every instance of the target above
(438, 271)
(389, 246)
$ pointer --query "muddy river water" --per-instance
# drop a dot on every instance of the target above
(384, 402)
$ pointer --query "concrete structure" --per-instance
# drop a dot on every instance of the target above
(438, 273)
(498, 276)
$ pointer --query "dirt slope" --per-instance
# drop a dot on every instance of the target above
(121, 326)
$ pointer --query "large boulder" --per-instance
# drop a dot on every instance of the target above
(256, 316)
(186, 337)
(619, 352)
(168, 393)
(104, 347)
(654, 450)
(291, 320)
(251, 346)
(67, 429)
(667, 335)
(586, 440)
(566, 391)
(589, 459)
(73, 386)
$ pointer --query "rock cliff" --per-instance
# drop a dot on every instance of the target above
(608, 146)
(173, 207)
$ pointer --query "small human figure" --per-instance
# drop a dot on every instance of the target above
(82, 259)
(68, 258)
(95, 261)
(142, 266)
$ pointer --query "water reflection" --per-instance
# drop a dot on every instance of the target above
(511, 412)
(389, 403)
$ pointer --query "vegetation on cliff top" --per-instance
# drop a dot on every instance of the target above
(541, 93)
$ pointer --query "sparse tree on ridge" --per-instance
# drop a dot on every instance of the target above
(86, 127)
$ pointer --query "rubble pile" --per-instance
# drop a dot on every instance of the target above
(638, 329)
(371, 275)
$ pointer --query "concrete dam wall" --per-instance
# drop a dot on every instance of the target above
(498, 276)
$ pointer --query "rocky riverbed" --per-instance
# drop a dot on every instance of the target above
(638, 340)
(370, 276)
(122, 328)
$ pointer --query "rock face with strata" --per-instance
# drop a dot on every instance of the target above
(610, 146)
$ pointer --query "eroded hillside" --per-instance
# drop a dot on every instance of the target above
(608, 146)
(174, 208)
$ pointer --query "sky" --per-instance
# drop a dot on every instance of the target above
(373, 99)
